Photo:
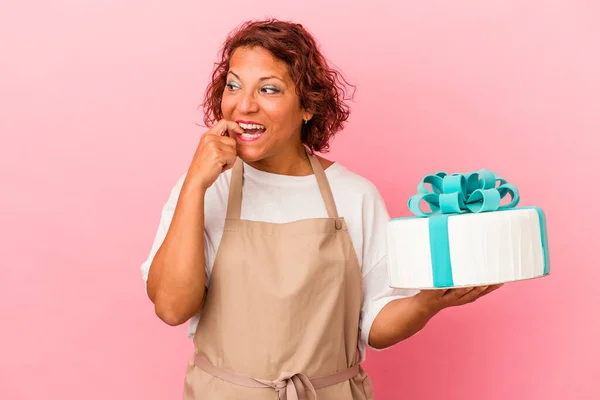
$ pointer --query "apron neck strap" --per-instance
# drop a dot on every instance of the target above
(323, 186)
(234, 204)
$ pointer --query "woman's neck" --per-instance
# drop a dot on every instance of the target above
(292, 162)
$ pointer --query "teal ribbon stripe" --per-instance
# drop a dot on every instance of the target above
(453, 194)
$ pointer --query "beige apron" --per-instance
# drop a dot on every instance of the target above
(281, 317)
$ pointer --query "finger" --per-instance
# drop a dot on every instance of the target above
(474, 289)
(228, 154)
(490, 289)
(474, 294)
(223, 127)
(227, 157)
(218, 143)
(228, 142)
(228, 164)
(454, 294)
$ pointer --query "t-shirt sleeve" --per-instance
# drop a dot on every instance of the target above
(164, 223)
(376, 290)
(377, 294)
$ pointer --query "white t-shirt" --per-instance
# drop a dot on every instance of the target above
(280, 198)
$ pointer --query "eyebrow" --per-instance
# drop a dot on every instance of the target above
(264, 78)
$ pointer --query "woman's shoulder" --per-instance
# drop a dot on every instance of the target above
(215, 195)
(346, 180)
(325, 163)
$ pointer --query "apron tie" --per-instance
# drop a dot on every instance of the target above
(289, 385)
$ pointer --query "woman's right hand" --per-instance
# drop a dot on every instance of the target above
(215, 154)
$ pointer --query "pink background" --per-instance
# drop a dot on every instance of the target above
(97, 121)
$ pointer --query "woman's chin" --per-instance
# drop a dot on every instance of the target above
(249, 154)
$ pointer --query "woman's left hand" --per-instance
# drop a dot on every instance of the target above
(437, 300)
(402, 318)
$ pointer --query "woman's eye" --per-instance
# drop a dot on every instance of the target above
(232, 86)
(270, 89)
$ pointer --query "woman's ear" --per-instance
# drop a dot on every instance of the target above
(307, 116)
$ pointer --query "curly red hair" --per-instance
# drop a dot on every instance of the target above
(322, 89)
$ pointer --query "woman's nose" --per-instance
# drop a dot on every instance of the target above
(247, 103)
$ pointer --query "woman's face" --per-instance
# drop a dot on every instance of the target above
(261, 96)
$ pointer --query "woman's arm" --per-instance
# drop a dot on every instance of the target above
(398, 320)
(392, 315)
(402, 318)
(176, 279)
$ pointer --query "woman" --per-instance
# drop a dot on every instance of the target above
(275, 254)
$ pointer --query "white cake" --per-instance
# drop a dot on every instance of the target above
(456, 249)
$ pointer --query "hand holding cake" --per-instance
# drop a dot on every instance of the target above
(437, 300)
(402, 318)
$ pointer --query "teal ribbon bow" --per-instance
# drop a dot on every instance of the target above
(461, 193)
(456, 194)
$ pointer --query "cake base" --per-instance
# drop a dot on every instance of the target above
(466, 250)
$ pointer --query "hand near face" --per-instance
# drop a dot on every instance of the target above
(216, 153)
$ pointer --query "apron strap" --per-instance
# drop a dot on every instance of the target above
(323, 186)
(234, 204)
(289, 386)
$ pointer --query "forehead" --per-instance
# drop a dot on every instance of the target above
(257, 61)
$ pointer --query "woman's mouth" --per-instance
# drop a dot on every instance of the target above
(251, 131)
